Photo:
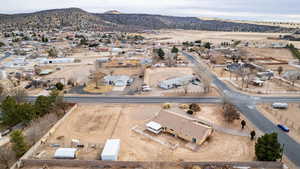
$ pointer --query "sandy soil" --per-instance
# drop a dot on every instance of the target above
(214, 37)
(282, 54)
(289, 117)
(78, 72)
(93, 124)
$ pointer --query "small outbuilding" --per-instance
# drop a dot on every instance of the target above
(65, 153)
(154, 127)
(111, 150)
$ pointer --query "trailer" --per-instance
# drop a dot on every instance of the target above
(111, 150)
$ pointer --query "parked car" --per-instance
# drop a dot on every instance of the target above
(146, 89)
(283, 127)
(280, 105)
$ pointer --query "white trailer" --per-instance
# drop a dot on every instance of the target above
(111, 150)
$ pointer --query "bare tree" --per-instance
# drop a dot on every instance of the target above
(34, 132)
(19, 94)
(7, 157)
(230, 113)
(206, 80)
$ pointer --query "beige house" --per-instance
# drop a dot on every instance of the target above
(182, 127)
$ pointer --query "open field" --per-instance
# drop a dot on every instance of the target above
(92, 124)
(282, 54)
(211, 36)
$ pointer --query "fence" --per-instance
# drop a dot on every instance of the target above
(135, 164)
(34, 148)
(258, 91)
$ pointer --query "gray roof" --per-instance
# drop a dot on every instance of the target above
(65, 153)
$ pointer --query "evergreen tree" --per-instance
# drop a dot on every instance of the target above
(9, 110)
(161, 53)
(267, 148)
(19, 145)
(175, 50)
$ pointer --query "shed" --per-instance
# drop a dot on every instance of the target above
(154, 127)
(65, 153)
(111, 150)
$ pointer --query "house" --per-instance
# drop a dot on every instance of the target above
(118, 80)
(65, 153)
(175, 82)
(55, 60)
(180, 126)
(111, 150)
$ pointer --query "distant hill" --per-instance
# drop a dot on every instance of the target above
(116, 21)
(113, 12)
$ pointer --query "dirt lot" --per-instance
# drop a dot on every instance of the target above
(78, 72)
(93, 124)
(289, 117)
(282, 54)
(214, 37)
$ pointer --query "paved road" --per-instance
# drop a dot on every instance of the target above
(132, 99)
(246, 104)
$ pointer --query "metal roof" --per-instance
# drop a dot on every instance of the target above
(69, 153)
(111, 149)
(153, 125)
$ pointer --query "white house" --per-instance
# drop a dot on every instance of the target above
(172, 83)
(55, 60)
(119, 80)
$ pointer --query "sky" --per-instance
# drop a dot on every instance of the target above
(261, 10)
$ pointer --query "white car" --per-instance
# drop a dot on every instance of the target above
(146, 89)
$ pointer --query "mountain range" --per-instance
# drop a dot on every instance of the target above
(79, 19)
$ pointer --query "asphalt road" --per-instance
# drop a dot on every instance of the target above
(132, 99)
(246, 105)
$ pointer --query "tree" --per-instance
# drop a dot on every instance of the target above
(9, 116)
(267, 148)
(174, 50)
(61, 104)
(195, 107)
(42, 105)
(161, 53)
(2, 44)
(243, 124)
(252, 134)
(280, 70)
(19, 146)
(19, 95)
(230, 113)
(27, 112)
(191, 112)
(52, 52)
(83, 41)
(59, 86)
(7, 157)
(207, 45)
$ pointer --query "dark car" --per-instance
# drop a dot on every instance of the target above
(283, 127)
